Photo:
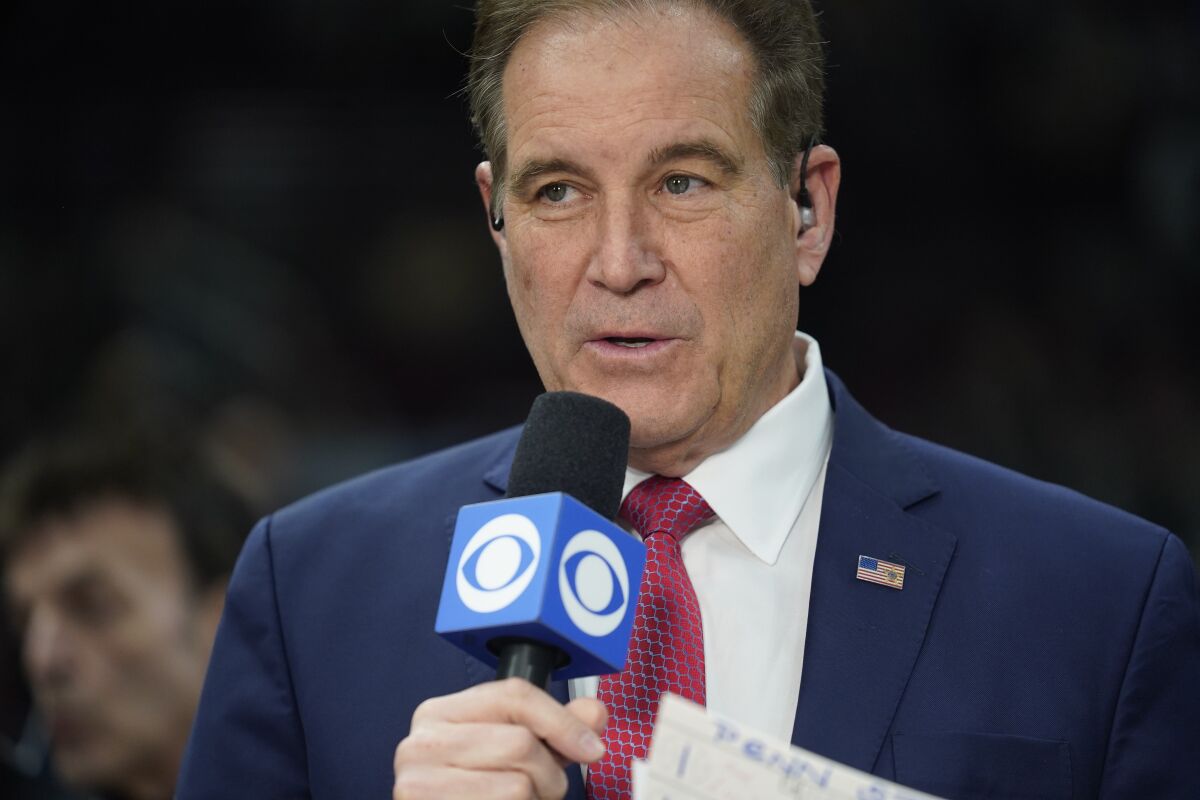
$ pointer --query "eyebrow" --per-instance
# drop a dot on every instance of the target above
(18, 609)
(702, 149)
(530, 171)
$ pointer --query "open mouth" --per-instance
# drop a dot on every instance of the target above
(631, 341)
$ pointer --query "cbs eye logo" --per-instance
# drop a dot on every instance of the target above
(498, 563)
(593, 583)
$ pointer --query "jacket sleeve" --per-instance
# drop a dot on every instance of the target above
(247, 739)
(1154, 744)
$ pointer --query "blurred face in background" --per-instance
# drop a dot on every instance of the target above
(115, 642)
(651, 256)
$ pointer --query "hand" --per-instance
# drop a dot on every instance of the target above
(496, 741)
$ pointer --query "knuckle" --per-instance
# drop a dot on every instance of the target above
(522, 745)
(559, 783)
(515, 786)
(411, 785)
(403, 755)
(516, 688)
(425, 711)
(416, 747)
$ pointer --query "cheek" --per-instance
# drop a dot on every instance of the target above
(151, 677)
(541, 285)
(145, 650)
(763, 260)
(517, 276)
(720, 272)
(754, 292)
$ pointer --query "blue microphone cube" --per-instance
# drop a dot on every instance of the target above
(547, 568)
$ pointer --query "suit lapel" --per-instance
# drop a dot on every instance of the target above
(495, 480)
(863, 638)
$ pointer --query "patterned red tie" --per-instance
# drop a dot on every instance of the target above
(666, 648)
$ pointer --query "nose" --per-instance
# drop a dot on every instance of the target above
(46, 648)
(626, 256)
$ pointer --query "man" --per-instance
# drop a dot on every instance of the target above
(115, 566)
(656, 206)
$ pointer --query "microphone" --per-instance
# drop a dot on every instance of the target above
(542, 582)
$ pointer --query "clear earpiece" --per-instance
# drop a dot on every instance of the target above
(807, 218)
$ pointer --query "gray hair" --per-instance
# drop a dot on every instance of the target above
(789, 84)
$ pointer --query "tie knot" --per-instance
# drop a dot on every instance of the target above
(665, 505)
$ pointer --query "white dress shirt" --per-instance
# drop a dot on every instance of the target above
(751, 565)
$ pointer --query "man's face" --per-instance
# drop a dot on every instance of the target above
(112, 643)
(651, 257)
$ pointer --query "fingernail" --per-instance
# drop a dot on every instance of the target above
(591, 745)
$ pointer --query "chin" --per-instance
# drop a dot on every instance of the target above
(657, 424)
(660, 411)
(82, 770)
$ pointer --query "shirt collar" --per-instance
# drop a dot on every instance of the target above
(759, 485)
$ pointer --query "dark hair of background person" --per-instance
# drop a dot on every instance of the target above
(60, 475)
(63, 475)
(788, 89)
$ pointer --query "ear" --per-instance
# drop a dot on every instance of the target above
(822, 178)
(484, 180)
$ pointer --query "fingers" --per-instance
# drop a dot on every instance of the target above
(459, 784)
(506, 739)
(482, 747)
(517, 702)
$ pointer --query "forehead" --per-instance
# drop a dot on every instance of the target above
(608, 78)
(121, 540)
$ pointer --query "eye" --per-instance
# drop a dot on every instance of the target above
(93, 604)
(680, 184)
(554, 192)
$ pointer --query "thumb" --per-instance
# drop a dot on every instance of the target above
(590, 712)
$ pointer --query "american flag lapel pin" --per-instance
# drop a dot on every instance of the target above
(883, 572)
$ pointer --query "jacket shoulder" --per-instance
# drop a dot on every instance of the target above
(974, 498)
(984, 497)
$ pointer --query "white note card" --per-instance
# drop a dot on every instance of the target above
(698, 755)
(639, 776)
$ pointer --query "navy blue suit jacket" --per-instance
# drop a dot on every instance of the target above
(1044, 645)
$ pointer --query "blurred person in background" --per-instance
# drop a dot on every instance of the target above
(115, 559)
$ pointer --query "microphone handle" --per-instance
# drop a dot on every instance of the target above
(533, 661)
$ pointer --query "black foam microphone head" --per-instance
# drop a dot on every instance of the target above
(573, 443)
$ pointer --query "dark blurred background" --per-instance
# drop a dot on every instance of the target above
(254, 223)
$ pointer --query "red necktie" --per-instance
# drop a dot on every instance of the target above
(666, 648)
